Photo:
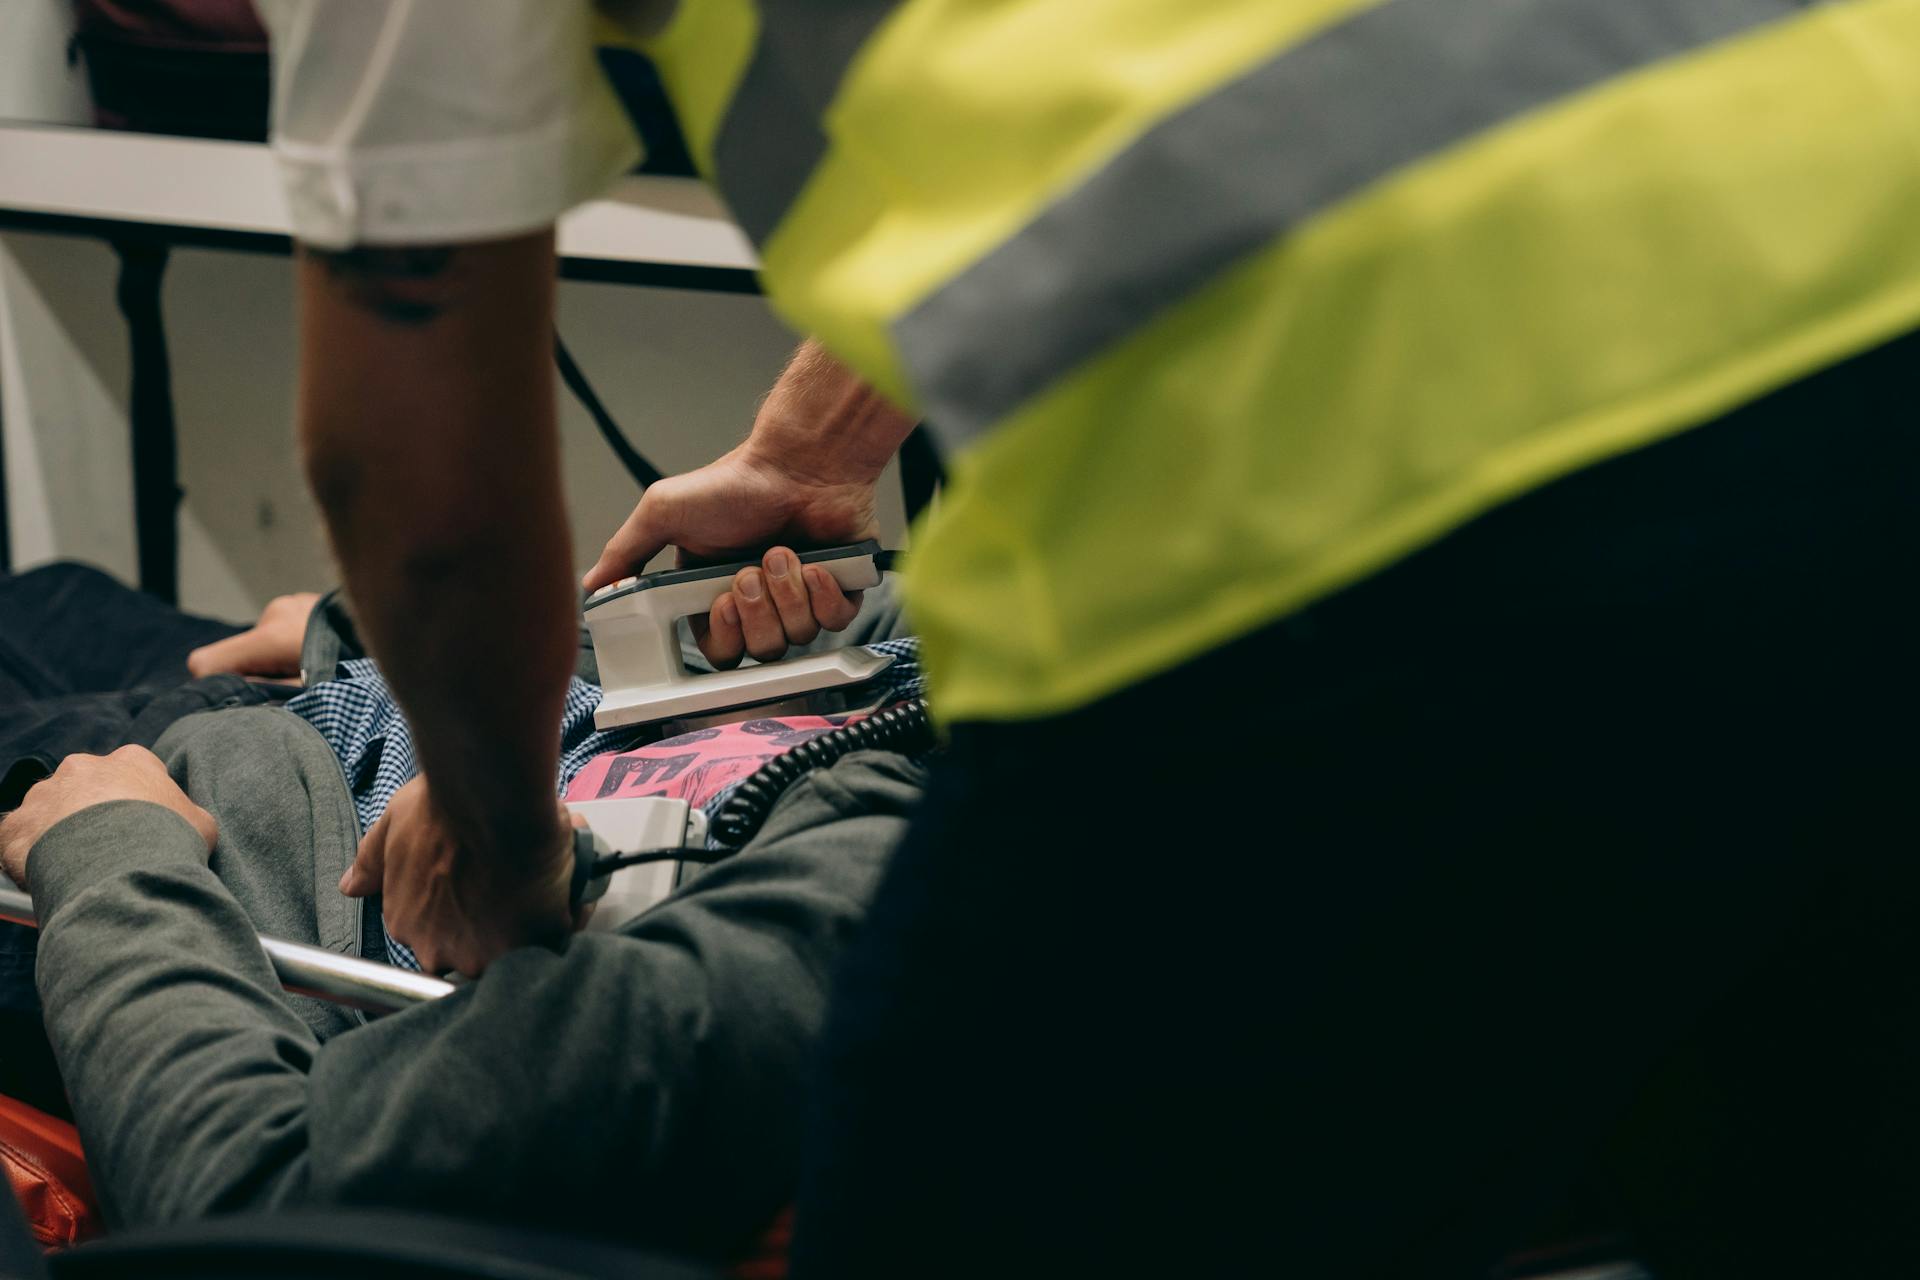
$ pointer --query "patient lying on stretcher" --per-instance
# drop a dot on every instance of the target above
(644, 1082)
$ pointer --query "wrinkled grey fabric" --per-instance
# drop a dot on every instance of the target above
(648, 1083)
(287, 830)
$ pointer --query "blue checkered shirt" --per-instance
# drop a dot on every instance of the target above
(361, 720)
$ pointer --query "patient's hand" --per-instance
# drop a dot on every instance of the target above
(271, 651)
(455, 907)
(131, 773)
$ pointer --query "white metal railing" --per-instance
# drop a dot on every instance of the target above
(304, 970)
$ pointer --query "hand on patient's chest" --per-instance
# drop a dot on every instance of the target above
(459, 908)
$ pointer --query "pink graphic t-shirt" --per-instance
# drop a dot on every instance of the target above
(697, 766)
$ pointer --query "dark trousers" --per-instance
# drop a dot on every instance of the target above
(1561, 879)
(86, 665)
(69, 628)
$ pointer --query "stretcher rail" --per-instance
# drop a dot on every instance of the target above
(304, 970)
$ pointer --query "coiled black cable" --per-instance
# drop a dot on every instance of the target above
(905, 726)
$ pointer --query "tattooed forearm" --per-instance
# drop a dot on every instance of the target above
(407, 286)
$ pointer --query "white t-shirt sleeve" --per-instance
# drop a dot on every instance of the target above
(439, 121)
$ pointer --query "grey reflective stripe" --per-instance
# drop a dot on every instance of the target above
(1230, 173)
(771, 138)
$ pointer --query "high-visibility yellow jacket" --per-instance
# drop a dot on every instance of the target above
(1225, 304)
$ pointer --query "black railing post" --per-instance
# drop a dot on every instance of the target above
(156, 481)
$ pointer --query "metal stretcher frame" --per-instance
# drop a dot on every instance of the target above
(303, 970)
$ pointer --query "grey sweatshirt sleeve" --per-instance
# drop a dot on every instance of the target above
(647, 1084)
(188, 1071)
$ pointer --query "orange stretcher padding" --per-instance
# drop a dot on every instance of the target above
(48, 1175)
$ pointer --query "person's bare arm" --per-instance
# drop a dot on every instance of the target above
(428, 433)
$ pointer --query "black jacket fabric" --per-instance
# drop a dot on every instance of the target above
(90, 665)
